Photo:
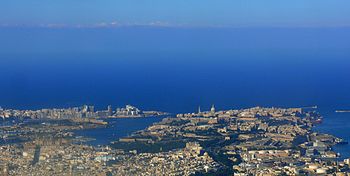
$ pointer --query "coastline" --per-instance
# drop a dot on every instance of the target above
(336, 124)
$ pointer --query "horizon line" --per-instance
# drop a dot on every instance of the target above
(157, 24)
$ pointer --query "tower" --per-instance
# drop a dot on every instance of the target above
(109, 109)
(91, 108)
(199, 109)
(212, 109)
(85, 108)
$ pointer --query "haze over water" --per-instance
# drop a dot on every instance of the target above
(175, 69)
(178, 69)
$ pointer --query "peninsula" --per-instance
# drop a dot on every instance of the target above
(79, 112)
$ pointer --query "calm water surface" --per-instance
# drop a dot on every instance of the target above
(116, 129)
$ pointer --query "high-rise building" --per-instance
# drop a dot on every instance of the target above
(91, 109)
(85, 108)
(110, 111)
(128, 110)
(212, 110)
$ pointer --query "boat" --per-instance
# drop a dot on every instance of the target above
(342, 111)
(319, 120)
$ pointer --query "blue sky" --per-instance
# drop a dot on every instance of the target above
(177, 12)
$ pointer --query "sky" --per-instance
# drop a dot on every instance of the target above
(233, 13)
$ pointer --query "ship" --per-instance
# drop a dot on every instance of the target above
(319, 120)
(342, 111)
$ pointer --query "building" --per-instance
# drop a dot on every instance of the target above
(128, 111)
(212, 109)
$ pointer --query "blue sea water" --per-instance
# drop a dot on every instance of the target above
(116, 129)
(178, 69)
(338, 125)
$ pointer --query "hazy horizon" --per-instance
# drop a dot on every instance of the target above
(175, 13)
(174, 69)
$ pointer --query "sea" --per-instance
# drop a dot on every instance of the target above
(177, 70)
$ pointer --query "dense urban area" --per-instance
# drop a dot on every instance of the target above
(254, 141)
